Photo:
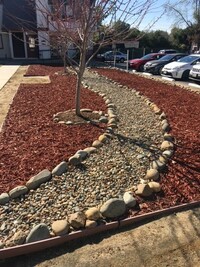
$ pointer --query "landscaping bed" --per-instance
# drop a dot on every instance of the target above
(30, 134)
(32, 140)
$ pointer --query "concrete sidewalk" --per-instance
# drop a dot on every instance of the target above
(10, 79)
(6, 72)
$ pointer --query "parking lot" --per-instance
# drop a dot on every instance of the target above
(188, 84)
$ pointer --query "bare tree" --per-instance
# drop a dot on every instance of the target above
(85, 23)
(81, 25)
(187, 13)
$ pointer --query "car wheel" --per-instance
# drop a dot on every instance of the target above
(185, 75)
(141, 68)
(121, 60)
(160, 70)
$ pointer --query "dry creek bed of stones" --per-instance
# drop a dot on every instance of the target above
(130, 148)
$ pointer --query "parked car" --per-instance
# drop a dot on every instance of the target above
(110, 55)
(155, 66)
(194, 74)
(138, 63)
(167, 51)
(181, 68)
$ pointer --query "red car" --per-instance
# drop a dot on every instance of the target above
(138, 63)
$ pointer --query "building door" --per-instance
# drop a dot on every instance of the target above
(32, 46)
(18, 45)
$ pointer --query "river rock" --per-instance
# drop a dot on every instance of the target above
(129, 200)
(164, 121)
(90, 150)
(167, 153)
(83, 154)
(18, 191)
(60, 227)
(102, 138)
(156, 164)
(168, 137)
(1, 245)
(166, 127)
(155, 186)
(113, 208)
(144, 190)
(112, 120)
(39, 232)
(163, 159)
(166, 145)
(97, 144)
(4, 198)
(60, 168)
(90, 224)
(93, 214)
(86, 110)
(162, 116)
(77, 220)
(37, 180)
(103, 119)
(19, 238)
(157, 110)
(75, 160)
(152, 174)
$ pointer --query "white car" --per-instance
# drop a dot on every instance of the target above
(195, 73)
(181, 68)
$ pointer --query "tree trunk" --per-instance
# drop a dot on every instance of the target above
(79, 80)
(78, 95)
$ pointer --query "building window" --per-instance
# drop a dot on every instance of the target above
(31, 42)
(1, 41)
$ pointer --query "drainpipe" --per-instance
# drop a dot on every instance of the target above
(25, 44)
(11, 44)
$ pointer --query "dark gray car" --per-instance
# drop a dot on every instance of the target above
(156, 66)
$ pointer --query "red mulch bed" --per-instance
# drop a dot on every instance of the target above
(36, 70)
(181, 184)
(30, 140)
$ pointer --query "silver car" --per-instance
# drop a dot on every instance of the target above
(110, 55)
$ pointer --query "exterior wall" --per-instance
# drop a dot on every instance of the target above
(1, 15)
(42, 9)
(44, 46)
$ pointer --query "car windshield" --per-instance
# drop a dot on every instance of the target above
(167, 57)
(149, 56)
(108, 52)
(188, 59)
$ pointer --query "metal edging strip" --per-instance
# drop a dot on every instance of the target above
(55, 241)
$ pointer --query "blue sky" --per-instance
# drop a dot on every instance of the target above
(166, 22)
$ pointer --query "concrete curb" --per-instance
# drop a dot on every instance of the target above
(168, 79)
(194, 85)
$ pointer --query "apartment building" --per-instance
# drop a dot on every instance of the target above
(26, 28)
